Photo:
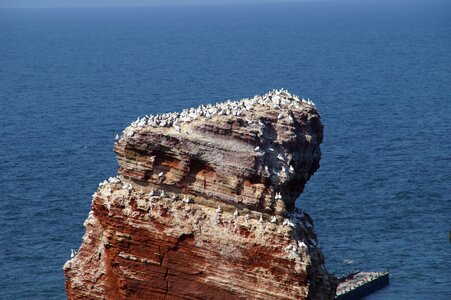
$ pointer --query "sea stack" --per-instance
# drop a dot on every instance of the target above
(203, 207)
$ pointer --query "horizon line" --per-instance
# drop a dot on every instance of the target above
(204, 3)
(158, 4)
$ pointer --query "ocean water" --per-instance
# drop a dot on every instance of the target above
(380, 74)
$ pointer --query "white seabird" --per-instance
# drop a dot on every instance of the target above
(302, 244)
(72, 253)
(219, 210)
(267, 173)
(236, 213)
(273, 219)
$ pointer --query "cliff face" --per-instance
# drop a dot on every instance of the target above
(203, 208)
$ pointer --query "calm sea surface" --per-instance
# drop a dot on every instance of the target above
(380, 76)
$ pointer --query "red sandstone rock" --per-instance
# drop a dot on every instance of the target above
(199, 213)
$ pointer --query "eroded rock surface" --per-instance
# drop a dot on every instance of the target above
(203, 208)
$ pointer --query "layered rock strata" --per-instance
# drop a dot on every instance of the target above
(203, 207)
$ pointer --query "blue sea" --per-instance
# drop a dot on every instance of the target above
(380, 74)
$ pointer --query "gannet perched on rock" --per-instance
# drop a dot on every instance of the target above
(288, 222)
(219, 210)
(72, 253)
(310, 102)
(114, 180)
(267, 173)
(302, 244)
(273, 219)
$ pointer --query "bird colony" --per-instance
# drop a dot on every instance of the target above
(275, 99)
(152, 201)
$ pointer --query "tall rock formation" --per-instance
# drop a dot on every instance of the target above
(203, 208)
